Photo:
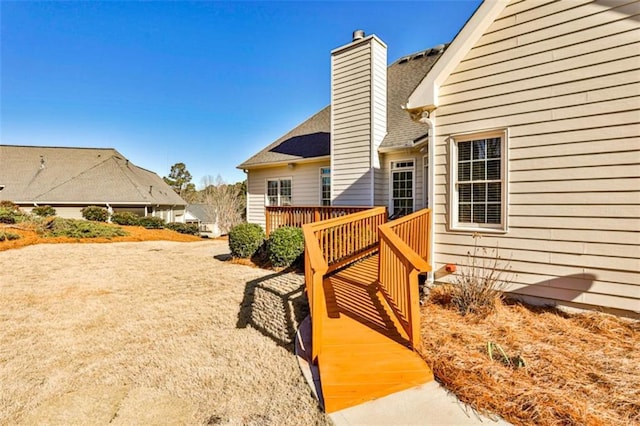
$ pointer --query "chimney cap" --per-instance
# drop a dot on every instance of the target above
(358, 35)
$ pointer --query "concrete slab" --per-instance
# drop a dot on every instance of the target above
(428, 404)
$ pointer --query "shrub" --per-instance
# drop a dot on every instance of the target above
(245, 239)
(8, 236)
(6, 204)
(95, 213)
(7, 215)
(478, 288)
(285, 246)
(74, 228)
(43, 211)
(183, 228)
(151, 222)
(125, 218)
(10, 212)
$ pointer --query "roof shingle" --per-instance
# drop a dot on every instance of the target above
(312, 138)
(60, 175)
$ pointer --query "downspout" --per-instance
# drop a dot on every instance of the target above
(430, 120)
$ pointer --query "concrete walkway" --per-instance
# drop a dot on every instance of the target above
(428, 404)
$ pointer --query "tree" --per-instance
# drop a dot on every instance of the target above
(179, 179)
(224, 202)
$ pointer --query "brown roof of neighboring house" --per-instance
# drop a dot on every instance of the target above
(61, 175)
(312, 138)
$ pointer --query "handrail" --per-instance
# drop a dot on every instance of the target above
(330, 244)
(400, 263)
(296, 216)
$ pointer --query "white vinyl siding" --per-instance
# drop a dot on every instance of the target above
(563, 78)
(304, 191)
(358, 119)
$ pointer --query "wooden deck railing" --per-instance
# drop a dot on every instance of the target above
(404, 248)
(329, 245)
(278, 216)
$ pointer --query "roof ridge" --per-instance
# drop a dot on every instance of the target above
(58, 147)
(129, 178)
(71, 178)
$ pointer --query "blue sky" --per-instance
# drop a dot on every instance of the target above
(203, 83)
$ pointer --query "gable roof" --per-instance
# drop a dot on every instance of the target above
(425, 95)
(58, 175)
(312, 138)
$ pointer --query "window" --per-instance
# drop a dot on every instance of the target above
(402, 173)
(325, 186)
(479, 184)
(279, 192)
(425, 179)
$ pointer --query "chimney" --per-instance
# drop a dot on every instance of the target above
(358, 118)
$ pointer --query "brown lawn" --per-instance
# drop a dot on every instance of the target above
(156, 322)
(580, 369)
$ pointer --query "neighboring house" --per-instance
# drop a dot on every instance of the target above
(69, 179)
(525, 130)
(203, 216)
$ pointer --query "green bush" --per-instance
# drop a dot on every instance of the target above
(43, 211)
(125, 218)
(183, 228)
(245, 239)
(7, 215)
(74, 228)
(10, 212)
(8, 236)
(285, 246)
(152, 222)
(95, 213)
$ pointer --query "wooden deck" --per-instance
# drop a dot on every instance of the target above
(366, 352)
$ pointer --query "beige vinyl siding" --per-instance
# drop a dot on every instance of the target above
(358, 121)
(563, 78)
(305, 187)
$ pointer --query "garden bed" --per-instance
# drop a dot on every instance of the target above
(570, 369)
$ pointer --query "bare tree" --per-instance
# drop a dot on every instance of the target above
(223, 202)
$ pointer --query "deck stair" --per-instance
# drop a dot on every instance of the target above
(362, 284)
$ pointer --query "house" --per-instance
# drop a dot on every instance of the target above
(524, 129)
(203, 216)
(69, 179)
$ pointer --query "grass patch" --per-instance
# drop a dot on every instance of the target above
(550, 367)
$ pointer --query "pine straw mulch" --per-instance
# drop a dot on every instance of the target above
(579, 368)
(135, 234)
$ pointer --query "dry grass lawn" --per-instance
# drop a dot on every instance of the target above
(148, 318)
(580, 369)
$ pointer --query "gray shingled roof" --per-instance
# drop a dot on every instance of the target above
(312, 137)
(59, 175)
(202, 212)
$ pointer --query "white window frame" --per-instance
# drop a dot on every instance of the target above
(392, 169)
(454, 224)
(425, 181)
(266, 190)
(320, 195)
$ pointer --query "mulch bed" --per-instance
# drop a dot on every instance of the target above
(579, 369)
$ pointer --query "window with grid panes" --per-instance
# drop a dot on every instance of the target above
(325, 186)
(279, 192)
(402, 174)
(479, 182)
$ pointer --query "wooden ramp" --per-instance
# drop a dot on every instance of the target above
(365, 351)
